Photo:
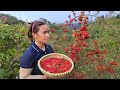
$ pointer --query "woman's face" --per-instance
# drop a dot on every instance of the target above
(42, 35)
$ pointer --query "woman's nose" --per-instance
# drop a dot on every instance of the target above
(47, 35)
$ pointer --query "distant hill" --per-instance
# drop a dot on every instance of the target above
(9, 19)
(97, 20)
(76, 25)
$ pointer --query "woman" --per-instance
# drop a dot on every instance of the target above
(39, 32)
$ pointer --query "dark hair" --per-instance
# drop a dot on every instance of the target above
(34, 28)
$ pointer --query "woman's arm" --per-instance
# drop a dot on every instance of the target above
(26, 74)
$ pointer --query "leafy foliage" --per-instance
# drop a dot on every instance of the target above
(12, 44)
(14, 41)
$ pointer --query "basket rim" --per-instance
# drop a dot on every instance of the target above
(55, 74)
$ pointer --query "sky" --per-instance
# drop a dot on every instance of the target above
(52, 16)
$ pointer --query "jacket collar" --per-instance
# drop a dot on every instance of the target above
(36, 48)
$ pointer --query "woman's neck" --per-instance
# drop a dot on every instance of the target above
(40, 45)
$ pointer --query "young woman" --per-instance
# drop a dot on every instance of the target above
(39, 34)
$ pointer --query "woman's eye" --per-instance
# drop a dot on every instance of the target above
(47, 32)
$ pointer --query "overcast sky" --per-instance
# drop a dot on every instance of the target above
(52, 16)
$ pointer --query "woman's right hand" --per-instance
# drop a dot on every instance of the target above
(43, 77)
(26, 74)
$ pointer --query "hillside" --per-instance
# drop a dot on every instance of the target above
(9, 19)
(107, 32)
(14, 41)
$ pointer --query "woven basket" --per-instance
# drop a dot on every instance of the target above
(55, 55)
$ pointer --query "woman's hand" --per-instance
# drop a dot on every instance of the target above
(43, 77)
(26, 74)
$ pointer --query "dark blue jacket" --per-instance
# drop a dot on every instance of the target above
(32, 55)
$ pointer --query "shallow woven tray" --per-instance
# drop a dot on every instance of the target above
(55, 55)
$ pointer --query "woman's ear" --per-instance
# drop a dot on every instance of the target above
(34, 35)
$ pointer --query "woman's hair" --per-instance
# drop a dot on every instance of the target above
(34, 28)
